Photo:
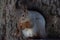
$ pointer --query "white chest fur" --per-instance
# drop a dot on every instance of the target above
(28, 32)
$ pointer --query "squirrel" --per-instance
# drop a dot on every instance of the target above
(32, 26)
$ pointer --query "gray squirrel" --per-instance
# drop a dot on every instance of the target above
(37, 22)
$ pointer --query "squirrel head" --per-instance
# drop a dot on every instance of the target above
(24, 23)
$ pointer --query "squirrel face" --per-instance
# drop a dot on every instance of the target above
(25, 23)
